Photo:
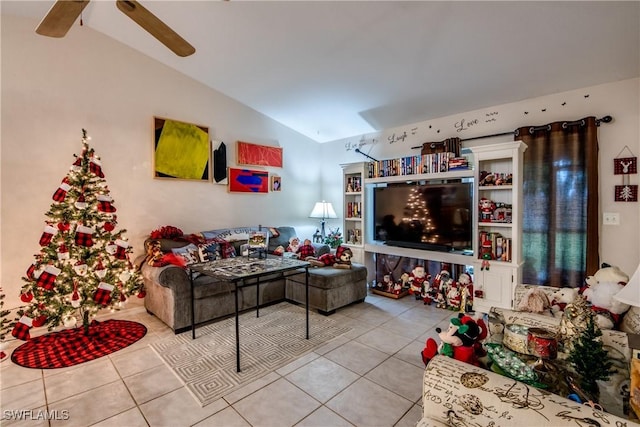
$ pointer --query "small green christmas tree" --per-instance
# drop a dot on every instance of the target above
(589, 358)
(5, 323)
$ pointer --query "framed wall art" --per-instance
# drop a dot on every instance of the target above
(248, 181)
(181, 150)
(276, 183)
(258, 155)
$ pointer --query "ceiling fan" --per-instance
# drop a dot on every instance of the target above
(64, 13)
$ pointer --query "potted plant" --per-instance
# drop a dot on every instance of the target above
(334, 238)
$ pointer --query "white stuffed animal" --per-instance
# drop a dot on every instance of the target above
(560, 298)
(601, 287)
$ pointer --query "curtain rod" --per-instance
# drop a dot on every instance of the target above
(605, 119)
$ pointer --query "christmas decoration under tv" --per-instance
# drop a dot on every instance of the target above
(83, 265)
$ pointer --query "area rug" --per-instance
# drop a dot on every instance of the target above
(71, 346)
(207, 365)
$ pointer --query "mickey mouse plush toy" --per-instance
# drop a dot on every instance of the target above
(460, 341)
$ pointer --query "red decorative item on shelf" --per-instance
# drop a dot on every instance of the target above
(166, 232)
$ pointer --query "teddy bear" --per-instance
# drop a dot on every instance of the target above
(460, 341)
(599, 291)
(560, 298)
(341, 259)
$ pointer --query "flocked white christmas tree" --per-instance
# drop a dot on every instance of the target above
(84, 263)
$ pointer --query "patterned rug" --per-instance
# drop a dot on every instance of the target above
(72, 346)
(207, 365)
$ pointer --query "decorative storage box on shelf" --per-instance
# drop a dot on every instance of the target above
(499, 223)
(353, 208)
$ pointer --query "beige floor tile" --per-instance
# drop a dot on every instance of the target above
(177, 409)
(79, 380)
(412, 353)
(131, 418)
(411, 418)
(407, 328)
(228, 417)
(25, 396)
(384, 344)
(365, 403)
(95, 405)
(152, 383)
(322, 378)
(12, 374)
(279, 404)
(324, 417)
(26, 418)
(399, 377)
(133, 362)
(301, 361)
(357, 357)
(252, 387)
(384, 340)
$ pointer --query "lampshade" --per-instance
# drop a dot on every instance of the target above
(630, 294)
(323, 210)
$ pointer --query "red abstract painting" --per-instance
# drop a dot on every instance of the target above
(260, 155)
(248, 181)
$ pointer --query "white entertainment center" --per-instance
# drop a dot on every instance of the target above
(496, 278)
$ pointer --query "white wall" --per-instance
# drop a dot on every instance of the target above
(619, 245)
(53, 88)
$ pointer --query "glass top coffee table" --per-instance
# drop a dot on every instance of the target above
(247, 271)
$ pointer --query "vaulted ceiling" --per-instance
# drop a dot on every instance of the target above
(337, 69)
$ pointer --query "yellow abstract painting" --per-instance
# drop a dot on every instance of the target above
(182, 150)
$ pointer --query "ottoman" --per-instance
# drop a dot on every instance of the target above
(329, 288)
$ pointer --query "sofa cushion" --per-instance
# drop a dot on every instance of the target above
(330, 278)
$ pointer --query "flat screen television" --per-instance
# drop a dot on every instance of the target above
(431, 215)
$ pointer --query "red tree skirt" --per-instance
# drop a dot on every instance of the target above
(71, 347)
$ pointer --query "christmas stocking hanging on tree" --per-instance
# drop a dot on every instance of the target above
(121, 249)
(47, 235)
(104, 203)
(84, 236)
(103, 293)
(48, 277)
(96, 168)
(21, 329)
(61, 192)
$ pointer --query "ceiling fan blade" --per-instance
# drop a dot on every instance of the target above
(61, 17)
(155, 27)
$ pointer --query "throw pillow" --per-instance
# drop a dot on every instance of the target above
(188, 253)
(209, 251)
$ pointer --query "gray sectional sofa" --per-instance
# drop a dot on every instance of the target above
(168, 287)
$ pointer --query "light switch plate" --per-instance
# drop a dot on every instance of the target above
(611, 218)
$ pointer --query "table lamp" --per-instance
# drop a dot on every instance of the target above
(323, 210)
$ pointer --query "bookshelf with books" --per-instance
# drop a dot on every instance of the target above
(353, 208)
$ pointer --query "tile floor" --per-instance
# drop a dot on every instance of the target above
(371, 376)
